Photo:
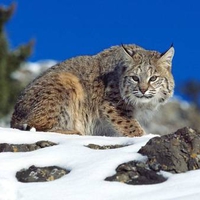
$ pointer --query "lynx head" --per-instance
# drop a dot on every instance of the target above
(145, 76)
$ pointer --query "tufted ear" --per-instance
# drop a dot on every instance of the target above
(166, 58)
(126, 52)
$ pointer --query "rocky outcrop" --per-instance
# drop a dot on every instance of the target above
(40, 174)
(5, 147)
(33, 173)
(136, 173)
(176, 153)
(104, 147)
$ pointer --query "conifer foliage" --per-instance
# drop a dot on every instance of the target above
(10, 61)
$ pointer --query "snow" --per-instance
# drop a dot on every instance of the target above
(30, 70)
(88, 168)
(36, 67)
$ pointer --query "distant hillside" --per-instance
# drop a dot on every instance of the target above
(175, 114)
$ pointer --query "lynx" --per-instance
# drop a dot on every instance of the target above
(105, 94)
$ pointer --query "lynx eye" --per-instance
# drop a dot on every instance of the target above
(153, 78)
(135, 78)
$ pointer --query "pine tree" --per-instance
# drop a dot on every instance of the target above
(10, 61)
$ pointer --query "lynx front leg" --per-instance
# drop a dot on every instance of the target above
(122, 121)
(127, 127)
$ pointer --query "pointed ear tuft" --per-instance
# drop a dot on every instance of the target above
(166, 58)
(127, 52)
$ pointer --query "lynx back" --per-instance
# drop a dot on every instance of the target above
(105, 94)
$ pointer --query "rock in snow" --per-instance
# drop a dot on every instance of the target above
(136, 173)
(177, 152)
(5, 147)
(40, 174)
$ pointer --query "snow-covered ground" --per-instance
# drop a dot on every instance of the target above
(88, 168)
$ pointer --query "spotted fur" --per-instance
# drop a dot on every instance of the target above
(105, 94)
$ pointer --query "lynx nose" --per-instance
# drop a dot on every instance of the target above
(143, 90)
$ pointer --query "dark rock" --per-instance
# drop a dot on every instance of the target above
(5, 147)
(104, 147)
(177, 152)
(136, 173)
(40, 174)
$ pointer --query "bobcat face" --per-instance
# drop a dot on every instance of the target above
(147, 79)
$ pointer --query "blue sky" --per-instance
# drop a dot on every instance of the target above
(67, 28)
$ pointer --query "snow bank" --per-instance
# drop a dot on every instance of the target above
(88, 168)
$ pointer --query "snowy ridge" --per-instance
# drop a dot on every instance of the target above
(30, 70)
(88, 168)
